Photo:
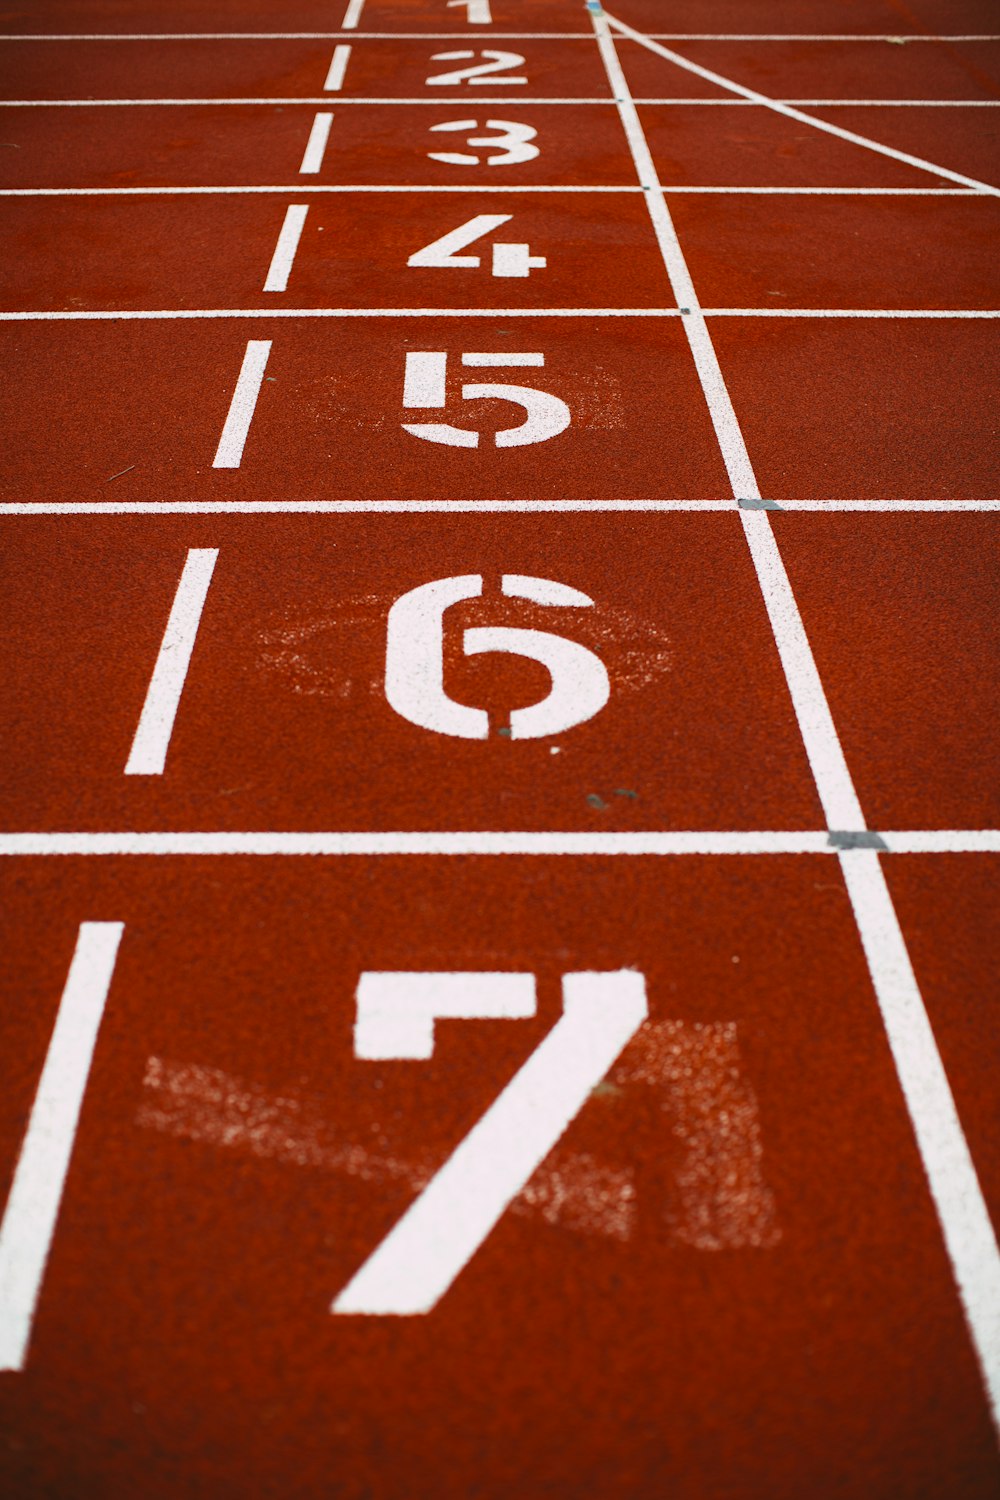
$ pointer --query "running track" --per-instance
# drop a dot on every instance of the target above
(500, 799)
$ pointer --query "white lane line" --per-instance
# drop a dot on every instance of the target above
(29, 1220)
(338, 67)
(148, 754)
(284, 251)
(229, 453)
(442, 1230)
(954, 1184)
(167, 314)
(477, 187)
(962, 1211)
(425, 507)
(833, 780)
(673, 101)
(458, 36)
(305, 99)
(793, 114)
(319, 135)
(352, 15)
(489, 844)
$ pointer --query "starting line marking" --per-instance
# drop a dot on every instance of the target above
(285, 251)
(458, 36)
(478, 187)
(848, 843)
(29, 1220)
(338, 67)
(444, 507)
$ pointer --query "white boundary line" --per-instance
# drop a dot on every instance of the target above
(340, 187)
(352, 15)
(319, 135)
(489, 844)
(951, 1174)
(148, 754)
(460, 36)
(287, 244)
(29, 1220)
(456, 102)
(462, 507)
(131, 315)
(825, 126)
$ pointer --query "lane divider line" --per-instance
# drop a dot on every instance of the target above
(338, 67)
(954, 1185)
(794, 114)
(473, 187)
(444, 507)
(319, 135)
(133, 315)
(36, 1192)
(229, 454)
(148, 754)
(851, 844)
(284, 251)
(352, 15)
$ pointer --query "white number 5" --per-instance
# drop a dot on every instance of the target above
(546, 416)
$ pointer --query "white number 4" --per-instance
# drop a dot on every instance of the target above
(508, 259)
(439, 1234)
(424, 386)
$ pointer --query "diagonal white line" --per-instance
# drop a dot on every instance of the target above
(796, 114)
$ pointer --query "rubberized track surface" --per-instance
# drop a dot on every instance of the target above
(500, 806)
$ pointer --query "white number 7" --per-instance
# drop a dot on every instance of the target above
(439, 1234)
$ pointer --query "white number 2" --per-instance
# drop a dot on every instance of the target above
(509, 259)
(493, 70)
(439, 1234)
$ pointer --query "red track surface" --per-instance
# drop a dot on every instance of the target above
(759, 1260)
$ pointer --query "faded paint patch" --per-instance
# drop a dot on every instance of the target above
(571, 1190)
(722, 1201)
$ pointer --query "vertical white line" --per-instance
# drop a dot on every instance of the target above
(312, 159)
(965, 1220)
(229, 453)
(338, 67)
(29, 1220)
(955, 1190)
(352, 15)
(284, 251)
(156, 722)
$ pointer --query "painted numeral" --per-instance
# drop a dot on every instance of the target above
(509, 259)
(513, 141)
(424, 386)
(493, 71)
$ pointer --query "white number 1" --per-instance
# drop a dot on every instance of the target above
(439, 1234)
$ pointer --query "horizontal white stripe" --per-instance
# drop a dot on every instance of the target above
(455, 36)
(425, 507)
(496, 99)
(951, 841)
(478, 187)
(188, 313)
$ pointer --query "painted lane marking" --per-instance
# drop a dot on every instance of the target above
(352, 15)
(425, 507)
(188, 313)
(338, 67)
(479, 187)
(148, 754)
(36, 1192)
(284, 251)
(229, 453)
(396, 1010)
(458, 36)
(442, 1230)
(489, 844)
(680, 101)
(319, 135)
(793, 114)
(966, 1226)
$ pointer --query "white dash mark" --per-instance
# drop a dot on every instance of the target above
(229, 453)
(312, 160)
(36, 1192)
(352, 15)
(421, 1256)
(148, 754)
(338, 67)
(284, 251)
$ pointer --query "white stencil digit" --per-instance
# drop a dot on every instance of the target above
(491, 70)
(513, 140)
(420, 1258)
